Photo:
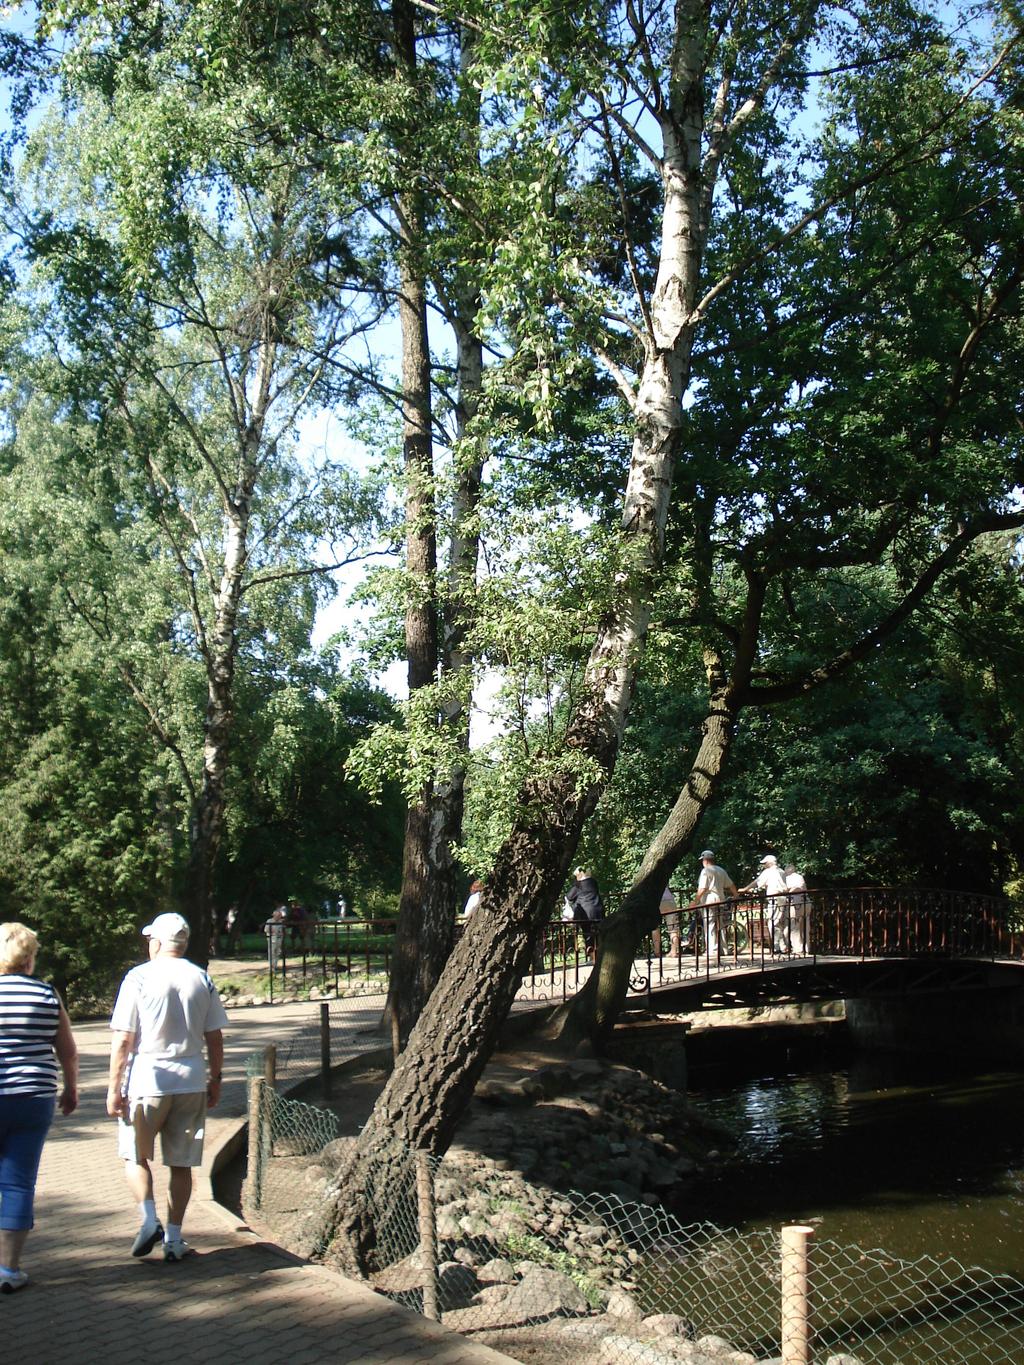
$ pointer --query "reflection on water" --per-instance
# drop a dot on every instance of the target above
(890, 1152)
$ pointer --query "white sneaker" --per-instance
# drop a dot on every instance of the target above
(146, 1238)
(10, 1280)
(177, 1251)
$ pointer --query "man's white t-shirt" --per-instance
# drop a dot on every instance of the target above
(169, 1004)
(714, 880)
(772, 882)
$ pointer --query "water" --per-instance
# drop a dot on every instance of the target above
(898, 1153)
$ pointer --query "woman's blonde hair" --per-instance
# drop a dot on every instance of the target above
(18, 947)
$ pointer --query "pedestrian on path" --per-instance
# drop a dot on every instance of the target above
(35, 1035)
(165, 1012)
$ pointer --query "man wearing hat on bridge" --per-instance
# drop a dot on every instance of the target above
(714, 886)
(772, 884)
(167, 1011)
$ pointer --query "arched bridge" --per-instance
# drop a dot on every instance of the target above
(853, 942)
(809, 946)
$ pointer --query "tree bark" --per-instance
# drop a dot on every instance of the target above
(426, 911)
(434, 825)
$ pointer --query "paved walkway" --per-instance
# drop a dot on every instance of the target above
(240, 1299)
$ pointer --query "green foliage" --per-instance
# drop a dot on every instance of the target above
(527, 1247)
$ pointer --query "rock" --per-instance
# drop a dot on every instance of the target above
(843, 1359)
(623, 1305)
(551, 1292)
(497, 1271)
(661, 1174)
(583, 1329)
(541, 1294)
(335, 1153)
(456, 1284)
(629, 1194)
(713, 1345)
(613, 1350)
(667, 1325)
(467, 1256)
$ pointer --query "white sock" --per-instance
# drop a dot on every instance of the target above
(172, 1232)
(148, 1208)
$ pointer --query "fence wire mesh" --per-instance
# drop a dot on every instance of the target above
(547, 1277)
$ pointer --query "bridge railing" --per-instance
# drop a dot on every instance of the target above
(864, 922)
(878, 921)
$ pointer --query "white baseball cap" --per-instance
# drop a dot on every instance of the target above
(168, 928)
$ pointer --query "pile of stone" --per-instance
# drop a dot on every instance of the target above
(539, 1273)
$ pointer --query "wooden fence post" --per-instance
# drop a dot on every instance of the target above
(254, 1164)
(325, 1049)
(428, 1234)
(796, 1333)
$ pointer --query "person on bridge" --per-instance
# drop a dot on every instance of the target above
(165, 1011)
(35, 1036)
(713, 888)
(585, 899)
(669, 911)
(798, 907)
(772, 884)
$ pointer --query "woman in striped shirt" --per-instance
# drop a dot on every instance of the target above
(35, 1034)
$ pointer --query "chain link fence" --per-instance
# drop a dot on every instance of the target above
(547, 1277)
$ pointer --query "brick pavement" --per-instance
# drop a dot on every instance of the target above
(239, 1299)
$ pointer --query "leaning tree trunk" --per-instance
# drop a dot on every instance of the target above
(592, 1013)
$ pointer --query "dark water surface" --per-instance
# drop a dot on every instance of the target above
(909, 1155)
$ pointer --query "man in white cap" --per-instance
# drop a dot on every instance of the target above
(714, 886)
(771, 881)
(167, 1011)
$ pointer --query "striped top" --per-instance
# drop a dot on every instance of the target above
(29, 1014)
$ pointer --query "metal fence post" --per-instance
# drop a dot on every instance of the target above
(428, 1234)
(325, 1049)
(796, 1333)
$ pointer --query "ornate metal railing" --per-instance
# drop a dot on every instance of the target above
(749, 931)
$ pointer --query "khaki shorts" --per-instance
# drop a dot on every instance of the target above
(179, 1119)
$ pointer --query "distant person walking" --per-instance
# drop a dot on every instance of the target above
(166, 1012)
(587, 907)
(35, 1038)
(274, 932)
(799, 904)
(713, 888)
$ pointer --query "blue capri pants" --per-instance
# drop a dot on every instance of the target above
(24, 1122)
